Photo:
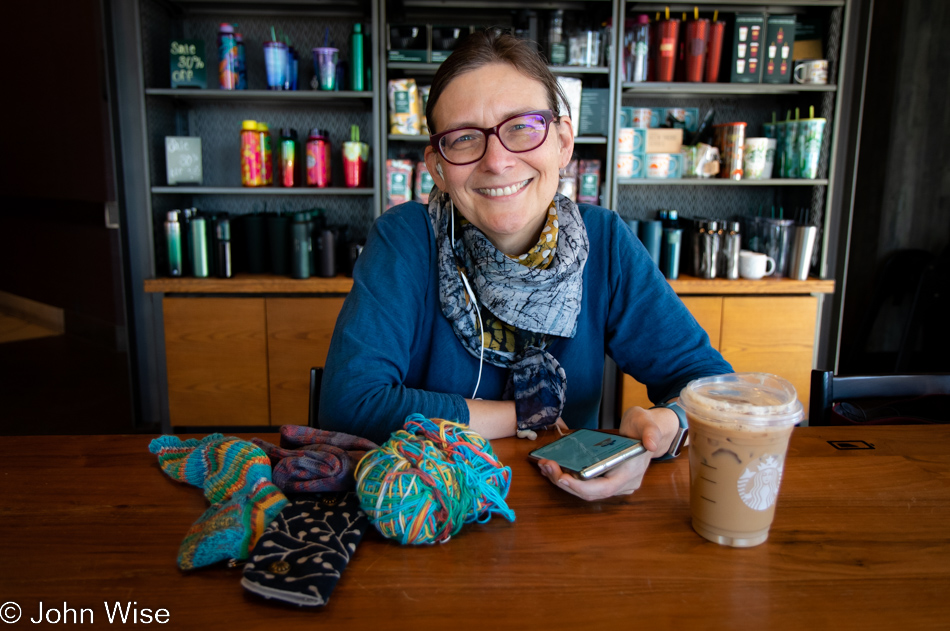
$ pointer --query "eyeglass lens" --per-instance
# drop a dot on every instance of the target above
(519, 134)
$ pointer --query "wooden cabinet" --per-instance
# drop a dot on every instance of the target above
(216, 354)
(773, 334)
(244, 360)
(298, 338)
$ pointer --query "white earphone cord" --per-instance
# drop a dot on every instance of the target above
(471, 294)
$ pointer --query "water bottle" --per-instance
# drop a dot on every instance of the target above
(640, 49)
(173, 241)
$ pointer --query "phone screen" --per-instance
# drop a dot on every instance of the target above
(585, 447)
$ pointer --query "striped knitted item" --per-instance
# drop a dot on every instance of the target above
(221, 465)
(236, 478)
(230, 529)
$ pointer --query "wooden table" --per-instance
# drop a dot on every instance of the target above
(861, 540)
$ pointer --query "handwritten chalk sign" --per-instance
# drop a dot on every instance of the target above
(183, 160)
(187, 59)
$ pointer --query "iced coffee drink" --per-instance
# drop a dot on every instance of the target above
(739, 426)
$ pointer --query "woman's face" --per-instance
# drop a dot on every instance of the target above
(505, 195)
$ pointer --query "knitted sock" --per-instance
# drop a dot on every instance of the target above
(229, 530)
(221, 465)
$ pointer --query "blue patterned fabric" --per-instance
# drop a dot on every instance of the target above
(538, 300)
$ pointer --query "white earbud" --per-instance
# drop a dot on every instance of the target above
(471, 295)
(438, 169)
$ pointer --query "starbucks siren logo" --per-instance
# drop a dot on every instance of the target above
(758, 485)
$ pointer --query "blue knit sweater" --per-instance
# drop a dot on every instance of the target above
(394, 353)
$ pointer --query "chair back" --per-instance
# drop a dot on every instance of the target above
(316, 380)
(827, 388)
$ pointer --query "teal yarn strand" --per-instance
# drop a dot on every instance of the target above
(429, 479)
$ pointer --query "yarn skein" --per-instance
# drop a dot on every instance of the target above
(429, 479)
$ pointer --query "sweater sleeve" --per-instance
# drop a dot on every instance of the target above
(382, 322)
(650, 333)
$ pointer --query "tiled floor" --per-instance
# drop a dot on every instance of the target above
(52, 383)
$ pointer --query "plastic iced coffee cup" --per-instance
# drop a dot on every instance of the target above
(739, 426)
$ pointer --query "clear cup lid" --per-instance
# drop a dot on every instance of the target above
(750, 398)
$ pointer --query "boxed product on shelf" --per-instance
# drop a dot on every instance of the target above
(408, 42)
(423, 183)
(748, 48)
(422, 93)
(779, 38)
(664, 140)
(398, 182)
(404, 116)
(808, 38)
(593, 117)
(588, 182)
(444, 39)
(573, 89)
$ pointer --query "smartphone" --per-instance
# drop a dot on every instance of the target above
(587, 453)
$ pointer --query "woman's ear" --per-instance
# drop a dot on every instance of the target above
(434, 168)
(565, 134)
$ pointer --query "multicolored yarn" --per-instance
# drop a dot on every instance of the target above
(429, 479)
(236, 478)
(230, 529)
(221, 465)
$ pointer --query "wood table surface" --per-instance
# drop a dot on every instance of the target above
(861, 540)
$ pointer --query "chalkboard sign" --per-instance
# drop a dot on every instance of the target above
(183, 160)
(187, 58)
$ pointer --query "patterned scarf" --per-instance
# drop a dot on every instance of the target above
(539, 297)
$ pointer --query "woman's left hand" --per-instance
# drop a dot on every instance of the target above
(655, 427)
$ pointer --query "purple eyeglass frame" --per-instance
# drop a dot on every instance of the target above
(548, 116)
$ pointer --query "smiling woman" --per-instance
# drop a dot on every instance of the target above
(485, 305)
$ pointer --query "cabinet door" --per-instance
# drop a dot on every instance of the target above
(298, 338)
(708, 312)
(216, 354)
(773, 334)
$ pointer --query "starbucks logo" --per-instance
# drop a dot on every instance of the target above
(758, 485)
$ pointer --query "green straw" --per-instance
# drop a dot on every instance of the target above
(273, 34)
(354, 133)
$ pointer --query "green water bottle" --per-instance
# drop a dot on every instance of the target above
(356, 58)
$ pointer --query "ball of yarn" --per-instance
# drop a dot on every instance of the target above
(429, 479)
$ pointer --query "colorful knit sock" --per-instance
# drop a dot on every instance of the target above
(221, 465)
(229, 530)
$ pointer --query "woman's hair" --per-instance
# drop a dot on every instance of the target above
(492, 46)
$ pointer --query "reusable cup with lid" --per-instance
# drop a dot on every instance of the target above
(739, 427)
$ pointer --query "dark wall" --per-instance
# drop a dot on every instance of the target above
(901, 225)
(56, 169)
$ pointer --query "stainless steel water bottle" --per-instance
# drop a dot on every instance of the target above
(198, 241)
(300, 238)
(222, 258)
(173, 242)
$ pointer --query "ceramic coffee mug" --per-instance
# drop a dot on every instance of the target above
(663, 166)
(811, 71)
(755, 265)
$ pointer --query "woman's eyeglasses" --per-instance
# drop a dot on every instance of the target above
(518, 134)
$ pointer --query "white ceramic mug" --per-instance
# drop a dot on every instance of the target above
(663, 166)
(811, 71)
(755, 265)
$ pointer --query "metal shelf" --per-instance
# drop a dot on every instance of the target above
(258, 190)
(579, 140)
(732, 5)
(718, 182)
(246, 96)
(430, 68)
(706, 89)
